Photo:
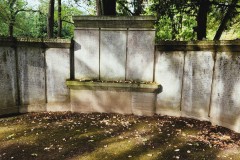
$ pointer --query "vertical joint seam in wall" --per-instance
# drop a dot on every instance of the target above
(126, 55)
(154, 63)
(99, 53)
(184, 59)
(213, 74)
(72, 69)
(155, 57)
(18, 100)
(45, 73)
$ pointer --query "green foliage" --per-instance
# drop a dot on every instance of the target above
(10, 13)
(67, 13)
(176, 19)
(33, 23)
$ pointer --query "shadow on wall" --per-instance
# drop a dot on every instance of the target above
(57, 90)
(112, 61)
(140, 55)
(225, 106)
(8, 84)
(31, 65)
(113, 55)
(197, 85)
(198, 72)
(87, 54)
(169, 73)
(77, 46)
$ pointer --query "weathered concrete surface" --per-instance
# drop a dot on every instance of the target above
(8, 81)
(82, 101)
(31, 62)
(58, 71)
(143, 104)
(113, 54)
(86, 101)
(112, 102)
(86, 54)
(225, 106)
(124, 98)
(169, 73)
(198, 72)
(33, 108)
(140, 55)
(114, 21)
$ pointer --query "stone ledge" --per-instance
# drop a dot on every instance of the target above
(35, 42)
(127, 87)
(114, 21)
(231, 46)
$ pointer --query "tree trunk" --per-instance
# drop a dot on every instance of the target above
(225, 20)
(50, 19)
(59, 34)
(202, 19)
(99, 7)
(109, 7)
(10, 29)
(12, 18)
(174, 30)
(138, 7)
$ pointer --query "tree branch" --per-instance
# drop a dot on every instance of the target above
(126, 8)
(67, 21)
(76, 2)
(225, 5)
(26, 10)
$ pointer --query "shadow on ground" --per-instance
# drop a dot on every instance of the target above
(112, 136)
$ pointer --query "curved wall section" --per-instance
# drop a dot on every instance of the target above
(33, 74)
(206, 79)
(199, 79)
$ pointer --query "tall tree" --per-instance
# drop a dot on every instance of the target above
(99, 8)
(138, 9)
(109, 7)
(12, 17)
(59, 34)
(106, 7)
(132, 8)
(50, 26)
(202, 19)
(9, 10)
(229, 14)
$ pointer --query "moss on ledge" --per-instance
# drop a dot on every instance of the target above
(114, 86)
(215, 46)
(35, 42)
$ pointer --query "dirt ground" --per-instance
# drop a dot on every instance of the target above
(65, 135)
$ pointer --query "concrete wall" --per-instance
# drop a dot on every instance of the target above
(225, 103)
(33, 75)
(112, 48)
(8, 81)
(169, 73)
(199, 79)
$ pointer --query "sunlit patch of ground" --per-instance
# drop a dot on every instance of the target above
(96, 136)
